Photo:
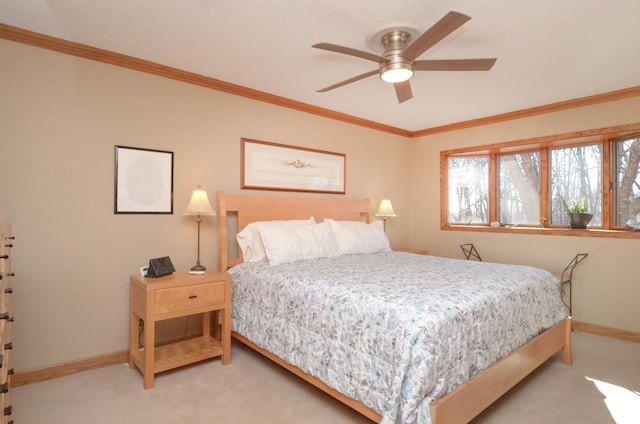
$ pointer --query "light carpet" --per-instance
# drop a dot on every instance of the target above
(602, 386)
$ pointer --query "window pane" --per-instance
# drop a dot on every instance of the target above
(576, 175)
(519, 190)
(627, 192)
(468, 190)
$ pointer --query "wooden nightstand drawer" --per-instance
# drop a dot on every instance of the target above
(189, 297)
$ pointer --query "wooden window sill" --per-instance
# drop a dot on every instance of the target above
(552, 231)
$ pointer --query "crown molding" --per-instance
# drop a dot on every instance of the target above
(538, 110)
(87, 52)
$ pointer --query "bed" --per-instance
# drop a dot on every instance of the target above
(338, 320)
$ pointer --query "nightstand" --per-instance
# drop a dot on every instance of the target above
(177, 295)
(416, 251)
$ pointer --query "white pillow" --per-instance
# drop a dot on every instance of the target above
(355, 237)
(250, 241)
(298, 243)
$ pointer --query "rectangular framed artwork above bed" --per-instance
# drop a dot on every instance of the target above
(274, 166)
(404, 338)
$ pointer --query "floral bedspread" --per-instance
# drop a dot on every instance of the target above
(393, 330)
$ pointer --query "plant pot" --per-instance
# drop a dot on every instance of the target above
(579, 220)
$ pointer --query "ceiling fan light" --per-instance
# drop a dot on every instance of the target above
(397, 72)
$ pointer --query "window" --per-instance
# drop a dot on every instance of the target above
(519, 191)
(527, 184)
(576, 176)
(627, 181)
(469, 190)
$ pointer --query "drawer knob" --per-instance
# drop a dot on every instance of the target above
(193, 296)
(4, 257)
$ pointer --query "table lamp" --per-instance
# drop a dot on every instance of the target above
(199, 206)
(385, 210)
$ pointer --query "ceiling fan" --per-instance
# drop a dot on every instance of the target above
(398, 63)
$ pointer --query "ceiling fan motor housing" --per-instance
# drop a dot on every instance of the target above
(394, 43)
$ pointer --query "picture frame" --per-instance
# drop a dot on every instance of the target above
(274, 166)
(143, 181)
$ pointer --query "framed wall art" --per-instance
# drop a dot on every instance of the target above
(143, 181)
(274, 166)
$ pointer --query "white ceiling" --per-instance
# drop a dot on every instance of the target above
(548, 50)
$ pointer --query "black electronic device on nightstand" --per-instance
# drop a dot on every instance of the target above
(159, 267)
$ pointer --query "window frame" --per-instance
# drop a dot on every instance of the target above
(605, 136)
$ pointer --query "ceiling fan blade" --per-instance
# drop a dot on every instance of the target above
(350, 52)
(349, 81)
(403, 91)
(442, 28)
(454, 65)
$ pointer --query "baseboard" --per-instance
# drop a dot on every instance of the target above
(56, 371)
(606, 331)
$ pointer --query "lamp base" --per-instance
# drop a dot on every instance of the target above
(198, 267)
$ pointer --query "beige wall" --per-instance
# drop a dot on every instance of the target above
(60, 118)
(606, 286)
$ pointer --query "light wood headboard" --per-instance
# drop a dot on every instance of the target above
(249, 209)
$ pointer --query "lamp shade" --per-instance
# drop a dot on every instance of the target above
(385, 209)
(199, 203)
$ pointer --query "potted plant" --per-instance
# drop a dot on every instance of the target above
(577, 211)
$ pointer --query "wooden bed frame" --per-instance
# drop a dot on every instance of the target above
(459, 406)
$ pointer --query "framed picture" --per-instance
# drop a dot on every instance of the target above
(143, 181)
(273, 166)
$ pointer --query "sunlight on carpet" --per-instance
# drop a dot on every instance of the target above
(623, 404)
